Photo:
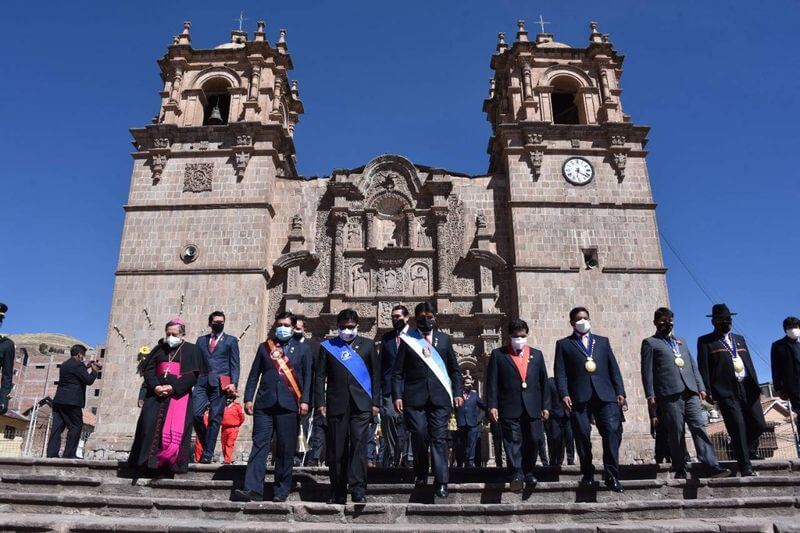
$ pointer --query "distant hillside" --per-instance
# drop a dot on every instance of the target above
(55, 342)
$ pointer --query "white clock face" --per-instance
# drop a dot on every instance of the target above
(578, 171)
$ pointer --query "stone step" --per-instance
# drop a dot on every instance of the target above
(80, 468)
(311, 491)
(14, 522)
(101, 504)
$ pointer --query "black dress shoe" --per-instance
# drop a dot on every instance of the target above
(747, 471)
(718, 471)
(516, 484)
(470, 465)
(205, 460)
(681, 474)
(441, 490)
(240, 495)
(358, 498)
(420, 481)
(755, 457)
(614, 484)
(588, 480)
(337, 500)
(279, 498)
(312, 462)
(530, 480)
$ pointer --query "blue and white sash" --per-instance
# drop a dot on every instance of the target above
(349, 358)
(430, 356)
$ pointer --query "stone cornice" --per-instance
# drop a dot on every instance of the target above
(191, 271)
(200, 206)
(646, 206)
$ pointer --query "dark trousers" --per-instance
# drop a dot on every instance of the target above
(284, 424)
(467, 440)
(497, 443)
(428, 427)
(607, 419)
(521, 438)
(69, 417)
(679, 410)
(346, 445)
(744, 421)
(207, 396)
(391, 422)
(559, 438)
(316, 441)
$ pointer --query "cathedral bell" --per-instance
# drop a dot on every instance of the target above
(215, 119)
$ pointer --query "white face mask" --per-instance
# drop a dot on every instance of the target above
(793, 333)
(583, 326)
(173, 341)
(283, 332)
(518, 343)
(348, 334)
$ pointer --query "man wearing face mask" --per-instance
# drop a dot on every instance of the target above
(221, 353)
(467, 421)
(519, 397)
(281, 372)
(392, 431)
(426, 385)
(590, 386)
(348, 394)
(729, 375)
(7, 349)
(673, 385)
(785, 359)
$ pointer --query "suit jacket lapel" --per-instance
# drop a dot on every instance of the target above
(531, 362)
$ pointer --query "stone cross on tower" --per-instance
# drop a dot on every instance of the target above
(541, 22)
(240, 20)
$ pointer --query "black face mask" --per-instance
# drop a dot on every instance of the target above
(217, 328)
(665, 328)
(426, 324)
(399, 324)
(724, 327)
(298, 335)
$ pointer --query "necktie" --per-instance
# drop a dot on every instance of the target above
(212, 344)
(397, 339)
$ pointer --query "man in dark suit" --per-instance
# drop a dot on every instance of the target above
(222, 358)
(7, 350)
(69, 401)
(673, 383)
(559, 430)
(305, 422)
(468, 422)
(426, 384)
(730, 376)
(393, 437)
(348, 395)
(785, 359)
(518, 396)
(590, 385)
(283, 366)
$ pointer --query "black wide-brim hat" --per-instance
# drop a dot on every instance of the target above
(720, 311)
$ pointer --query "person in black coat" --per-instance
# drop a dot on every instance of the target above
(590, 385)
(348, 395)
(672, 382)
(7, 350)
(163, 439)
(426, 385)
(518, 396)
(276, 395)
(221, 353)
(69, 401)
(300, 336)
(468, 421)
(730, 377)
(785, 362)
(559, 430)
(393, 433)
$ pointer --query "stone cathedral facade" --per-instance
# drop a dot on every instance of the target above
(219, 218)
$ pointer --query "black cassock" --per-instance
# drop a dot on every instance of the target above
(148, 440)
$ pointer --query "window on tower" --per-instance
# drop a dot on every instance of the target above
(217, 102)
(566, 108)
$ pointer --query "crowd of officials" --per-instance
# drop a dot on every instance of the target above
(403, 401)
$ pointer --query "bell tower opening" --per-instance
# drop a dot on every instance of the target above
(218, 102)
(565, 101)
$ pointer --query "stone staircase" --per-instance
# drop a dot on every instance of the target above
(75, 495)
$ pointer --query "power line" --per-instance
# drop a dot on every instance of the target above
(711, 298)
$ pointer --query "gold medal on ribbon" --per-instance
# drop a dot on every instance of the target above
(679, 362)
(590, 366)
(426, 352)
(524, 384)
(276, 354)
(738, 365)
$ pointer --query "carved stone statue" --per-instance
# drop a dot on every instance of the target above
(424, 239)
(354, 234)
(420, 284)
(360, 281)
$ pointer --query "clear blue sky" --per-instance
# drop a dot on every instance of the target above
(717, 82)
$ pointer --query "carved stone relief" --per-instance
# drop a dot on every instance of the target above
(355, 238)
(420, 280)
(198, 177)
(359, 281)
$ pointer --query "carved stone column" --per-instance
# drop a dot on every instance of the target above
(176, 84)
(276, 98)
(410, 233)
(254, 82)
(339, 220)
(527, 86)
(442, 276)
(370, 230)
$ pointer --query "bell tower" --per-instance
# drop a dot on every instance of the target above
(200, 209)
(581, 215)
